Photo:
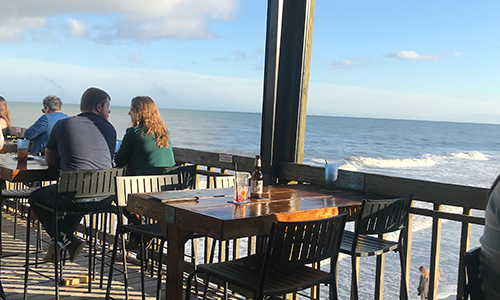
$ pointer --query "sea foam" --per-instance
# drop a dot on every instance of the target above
(474, 155)
(398, 163)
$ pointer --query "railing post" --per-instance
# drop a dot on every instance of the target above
(379, 274)
(464, 247)
(435, 251)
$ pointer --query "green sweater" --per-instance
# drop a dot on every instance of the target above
(139, 151)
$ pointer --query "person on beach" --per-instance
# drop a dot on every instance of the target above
(489, 257)
(147, 143)
(4, 113)
(38, 133)
(423, 285)
(83, 142)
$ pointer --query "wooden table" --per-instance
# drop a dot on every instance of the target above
(217, 218)
(34, 170)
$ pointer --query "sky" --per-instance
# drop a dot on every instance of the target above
(419, 60)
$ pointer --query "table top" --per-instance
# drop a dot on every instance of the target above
(218, 217)
(35, 169)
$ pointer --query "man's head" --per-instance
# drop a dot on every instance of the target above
(96, 101)
(51, 104)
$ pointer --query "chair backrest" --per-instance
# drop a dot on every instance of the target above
(221, 182)
(186, 174)
(126, 185)
(383, 216)
(300, 243)
(87, 183)
(472, 287)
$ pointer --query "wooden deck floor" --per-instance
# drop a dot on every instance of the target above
(40, 288)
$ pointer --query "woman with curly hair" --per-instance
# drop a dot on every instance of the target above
(147, 143)
(4, 113)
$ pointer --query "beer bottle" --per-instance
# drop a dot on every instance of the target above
(257, 180)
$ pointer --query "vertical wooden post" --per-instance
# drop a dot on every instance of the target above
(464, 247)
(379, 274)
(435, 251)
(286, 83)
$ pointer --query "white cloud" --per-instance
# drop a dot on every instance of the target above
(342, 64)
(117, 19)
(411, 55)
(135, 59)
(11, 29)
(77, 28)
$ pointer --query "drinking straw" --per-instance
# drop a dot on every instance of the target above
(236, 180)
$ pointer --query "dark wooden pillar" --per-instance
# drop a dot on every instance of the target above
(286, 83)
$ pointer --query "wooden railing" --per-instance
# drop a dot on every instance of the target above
(438, 194)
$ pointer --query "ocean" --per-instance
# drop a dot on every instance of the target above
(457, 153)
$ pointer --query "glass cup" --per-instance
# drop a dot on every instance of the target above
(331, 173)
(241, 187)
(22, 150)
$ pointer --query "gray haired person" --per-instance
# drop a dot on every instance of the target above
(39, 132)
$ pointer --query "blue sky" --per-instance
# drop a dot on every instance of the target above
(424, 60)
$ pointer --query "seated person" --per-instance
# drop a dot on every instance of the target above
(4, 113)
(490, 245)
(147, 143)
(38, 133)
(83, 142)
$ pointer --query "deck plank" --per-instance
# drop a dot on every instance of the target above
(40, 288)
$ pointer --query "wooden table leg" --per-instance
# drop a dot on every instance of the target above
(176, 238)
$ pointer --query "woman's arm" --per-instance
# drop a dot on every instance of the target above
(124, 154)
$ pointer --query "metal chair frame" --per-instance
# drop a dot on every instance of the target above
(378, 217)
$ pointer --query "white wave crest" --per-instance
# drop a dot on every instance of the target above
(473, 155)
(393, 163)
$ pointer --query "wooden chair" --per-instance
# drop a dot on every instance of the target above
(187, 174)
(139, 184)
(76, 185)
(376, 218)
(472, 286)
(283, 267)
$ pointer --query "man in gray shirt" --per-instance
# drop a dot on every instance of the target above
(83, 142)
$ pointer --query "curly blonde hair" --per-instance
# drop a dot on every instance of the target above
(146, 114)
(4, 111)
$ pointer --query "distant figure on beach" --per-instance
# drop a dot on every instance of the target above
(490, 245)
(4, 113)
(38, 133)
(83, 142)
(147, 143)
(423, 285)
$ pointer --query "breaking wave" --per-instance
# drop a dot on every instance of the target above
(474, 155)
(400, 163)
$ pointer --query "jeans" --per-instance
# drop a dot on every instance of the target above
(67, 224)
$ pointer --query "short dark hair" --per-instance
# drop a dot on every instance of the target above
(91, 97)
(52, 102)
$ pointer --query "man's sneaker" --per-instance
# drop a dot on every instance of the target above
(49, 257)
(74, 248)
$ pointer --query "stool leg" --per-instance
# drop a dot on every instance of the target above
(27, 259)
(16, 211)
(142, 258)
(160, 268)
(104, 237)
